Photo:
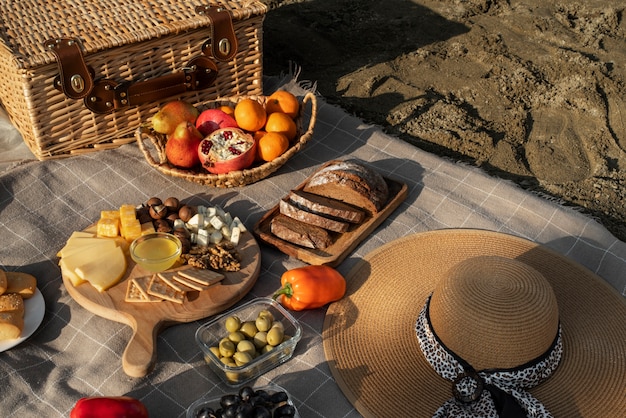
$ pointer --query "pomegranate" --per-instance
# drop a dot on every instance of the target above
(226, 150)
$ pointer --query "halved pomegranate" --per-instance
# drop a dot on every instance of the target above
(226, 150)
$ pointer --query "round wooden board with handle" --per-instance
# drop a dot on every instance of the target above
(147, 319)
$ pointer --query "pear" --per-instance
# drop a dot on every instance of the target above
(172, 114)
(181, 148)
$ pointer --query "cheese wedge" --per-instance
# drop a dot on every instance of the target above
(104, 270)
(78, 247)
(69, 273)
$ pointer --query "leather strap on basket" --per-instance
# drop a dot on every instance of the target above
(222, 44)
(75, 78)
(108, 95)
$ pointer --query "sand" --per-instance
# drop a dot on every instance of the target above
(533, 91)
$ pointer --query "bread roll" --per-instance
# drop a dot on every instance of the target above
(23, 284)
(12, 302)
(11, 325)
(3, 282)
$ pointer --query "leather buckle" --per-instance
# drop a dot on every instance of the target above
(222, 44)
(75, 79)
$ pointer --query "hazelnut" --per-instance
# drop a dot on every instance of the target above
(186, 212)
(186, 245)
(182, 233)
(158, 211)
(172, 204)
(154, 201)
(162, 225)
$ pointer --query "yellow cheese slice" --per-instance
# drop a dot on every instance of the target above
(104, 269)
(73, 244)
(69, 273)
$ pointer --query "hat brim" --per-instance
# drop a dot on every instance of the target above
(373, 352)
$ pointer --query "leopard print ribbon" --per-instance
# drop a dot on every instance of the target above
(489, 393)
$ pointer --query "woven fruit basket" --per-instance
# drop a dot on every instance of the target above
(152, 144)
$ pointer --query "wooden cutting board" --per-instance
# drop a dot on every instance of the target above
(148, 319)
(344, 243)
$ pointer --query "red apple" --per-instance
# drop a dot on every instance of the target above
(226, 150)
(213, 119)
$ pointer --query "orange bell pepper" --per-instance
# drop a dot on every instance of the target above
(310, 287)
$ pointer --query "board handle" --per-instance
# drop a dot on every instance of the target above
(140, 356)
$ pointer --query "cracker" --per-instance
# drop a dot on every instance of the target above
(168, 278)
(202, 276)
(190, 284)
(137, 291)
(159, 288)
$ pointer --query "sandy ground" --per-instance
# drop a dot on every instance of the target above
(533, 91)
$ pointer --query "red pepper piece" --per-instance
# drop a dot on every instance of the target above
(310, 287)
(109, 407)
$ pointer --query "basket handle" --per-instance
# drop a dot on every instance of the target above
(158, 142)
(77, 80)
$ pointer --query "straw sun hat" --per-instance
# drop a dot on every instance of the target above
(477, 323)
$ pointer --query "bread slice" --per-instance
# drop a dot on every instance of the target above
(351, 182)
(325, 206)
(299, 233)
(11, 325)
(22, 283)
(3, 282)
(12, 302)
(293, 211)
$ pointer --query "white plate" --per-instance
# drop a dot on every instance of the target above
(35, 308)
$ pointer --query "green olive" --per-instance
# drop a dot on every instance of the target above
(263, 323)
(232, 323)
(260, 339)
(266, 314)
(278, 324)
(266, 349)
(215, 350)
(247, 346)
(236, 336)
(275, 336)
(248, 329)
(227, 348)
(242, 357)
(228, 361)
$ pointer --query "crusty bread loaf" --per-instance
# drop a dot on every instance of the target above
(11, 325)
(12, 302)
(3, 282)
(299, 233)
(324, 206)
(22, 283)
(351, 182)
(289, 209)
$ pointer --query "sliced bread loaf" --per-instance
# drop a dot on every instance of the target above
(325, 206)
(287, 208)
(299, 233)
(351, 182)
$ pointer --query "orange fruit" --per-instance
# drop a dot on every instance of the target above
(229, 110)
(272, 145)
(257, 137)
(250, 115)
(281, 122)
(282, 101)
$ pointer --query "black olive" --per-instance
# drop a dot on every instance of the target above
(259, 401)
(261, 412)
(244, 410)
(229, 400)
(263, 395)
(285, 411)
(230, 411)
(279, 397)
(204, 412)
(246, 393)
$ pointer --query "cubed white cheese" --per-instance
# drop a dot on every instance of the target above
(226, 232)
(196, 220)
(216, 237)
(211, 211)
(235, 234)
(216, 222)
(203, 240)
(237, 223)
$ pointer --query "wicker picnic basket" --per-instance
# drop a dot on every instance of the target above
(152, 143)
(81, 75)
